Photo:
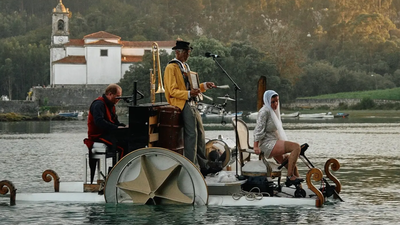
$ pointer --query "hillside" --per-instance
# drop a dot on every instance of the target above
(387, 94)
(303, 48)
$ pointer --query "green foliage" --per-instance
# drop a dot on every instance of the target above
(387, 94)
(22, 65)
(317, 79)
(241, 61)
(342, 106)
(366, 103)
(348, 41)
(389, 106)
(13, 117)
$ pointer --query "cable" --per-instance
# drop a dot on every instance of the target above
(250, 195)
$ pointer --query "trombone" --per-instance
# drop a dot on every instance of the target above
(156, 70)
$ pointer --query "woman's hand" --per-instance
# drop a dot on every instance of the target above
(257, 150)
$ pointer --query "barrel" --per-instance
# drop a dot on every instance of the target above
(170, 130)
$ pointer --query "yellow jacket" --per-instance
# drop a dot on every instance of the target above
(175, 88)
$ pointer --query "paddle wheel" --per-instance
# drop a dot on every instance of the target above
(155, 176)
(155, 172)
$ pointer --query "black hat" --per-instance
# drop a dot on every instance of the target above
(182, 45)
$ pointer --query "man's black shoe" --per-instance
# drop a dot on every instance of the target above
(215, 164)
(213, 167)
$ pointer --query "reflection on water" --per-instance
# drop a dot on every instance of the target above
(368, 153)
(227, 120)
(25, 127)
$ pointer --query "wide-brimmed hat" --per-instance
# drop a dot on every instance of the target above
(182, 45)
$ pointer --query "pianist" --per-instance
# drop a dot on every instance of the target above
(103, 120)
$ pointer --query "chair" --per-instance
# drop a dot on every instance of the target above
(244, 149)
(242, 134)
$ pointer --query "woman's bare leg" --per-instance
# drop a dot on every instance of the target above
(294, 150)
(296, 171)
(281, 158)
(283, 147)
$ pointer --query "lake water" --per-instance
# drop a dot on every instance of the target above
(368, 150)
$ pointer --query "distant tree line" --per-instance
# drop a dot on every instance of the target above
(304, 48)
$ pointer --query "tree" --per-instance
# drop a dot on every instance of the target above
(7, 71)
(283, 46)
(318, 78)
(242, 62)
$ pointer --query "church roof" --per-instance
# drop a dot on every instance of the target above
(60, 8)
(141, 44)
(102, 42)
(131, 59)
(82, 60)
(75, 42)
(128, 44)
(101, 34)
(72, 60)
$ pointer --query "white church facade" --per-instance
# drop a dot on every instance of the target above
(99, 58)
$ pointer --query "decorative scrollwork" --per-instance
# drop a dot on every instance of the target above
(6, 186)
(335, 165)
(317, 175)
(48, 175)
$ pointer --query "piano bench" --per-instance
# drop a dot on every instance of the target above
(99, 151)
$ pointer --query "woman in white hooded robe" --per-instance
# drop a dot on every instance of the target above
(270, 138)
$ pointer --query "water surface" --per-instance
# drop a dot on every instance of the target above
(368, 153)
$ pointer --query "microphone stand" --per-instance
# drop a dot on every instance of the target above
(132, 99)
(236, 100)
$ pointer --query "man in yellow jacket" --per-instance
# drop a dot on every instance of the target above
(178, 93)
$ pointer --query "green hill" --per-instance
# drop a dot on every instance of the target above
(387, 94)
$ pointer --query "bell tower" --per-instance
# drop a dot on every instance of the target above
(59, 36)
(60, 25)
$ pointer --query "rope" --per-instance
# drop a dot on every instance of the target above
(250, 195)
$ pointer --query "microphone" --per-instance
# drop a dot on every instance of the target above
(123, 97)
(212, 55)
(127, 99)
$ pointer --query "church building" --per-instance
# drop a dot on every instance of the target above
(99, 58)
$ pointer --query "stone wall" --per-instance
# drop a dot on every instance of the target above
(19, 106)
(77, 98)
(65, 97)
(331, 103)
(315, 103)
(59, 99)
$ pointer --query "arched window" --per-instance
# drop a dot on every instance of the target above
(60, 25)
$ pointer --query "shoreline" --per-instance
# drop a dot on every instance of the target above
(15, 117)
(359, 113)
(11, 117)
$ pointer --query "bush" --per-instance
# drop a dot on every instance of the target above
(389, 106)
(343, 106)
(13, 117)
(323, 107)
(366, 103)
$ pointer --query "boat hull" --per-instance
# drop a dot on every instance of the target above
(69, 193)
(75, 114)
